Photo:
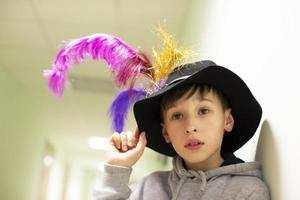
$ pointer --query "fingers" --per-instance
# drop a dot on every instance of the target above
(116, 140)
(124, 141)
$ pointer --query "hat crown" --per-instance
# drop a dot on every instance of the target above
(184, 71)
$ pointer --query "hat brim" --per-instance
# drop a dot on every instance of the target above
(245, 109)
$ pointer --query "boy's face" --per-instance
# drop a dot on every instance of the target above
(195, 126)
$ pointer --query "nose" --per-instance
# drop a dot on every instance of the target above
(191, 130)
(190, 125)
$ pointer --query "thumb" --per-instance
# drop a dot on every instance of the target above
(142, 142)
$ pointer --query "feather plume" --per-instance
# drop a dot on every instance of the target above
(169, 56)
(123, 102)
(124, 62)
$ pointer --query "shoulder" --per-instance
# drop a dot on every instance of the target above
(248, 187)
(241, 181)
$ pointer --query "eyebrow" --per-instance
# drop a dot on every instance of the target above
(205, 99)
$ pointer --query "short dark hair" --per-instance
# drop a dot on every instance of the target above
(173, 95)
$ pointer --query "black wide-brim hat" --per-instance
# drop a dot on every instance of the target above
(246, 110)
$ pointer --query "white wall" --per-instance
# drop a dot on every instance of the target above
(259, 40)
(21, 141)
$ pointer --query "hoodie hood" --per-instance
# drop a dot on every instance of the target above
(179, 176)
(236, 168)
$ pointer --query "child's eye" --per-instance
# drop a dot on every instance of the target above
(176, 116)
(203, 111)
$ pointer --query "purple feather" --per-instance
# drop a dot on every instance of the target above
(120, 106)
(124, 62)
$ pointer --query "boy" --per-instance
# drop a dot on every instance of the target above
(200, 117)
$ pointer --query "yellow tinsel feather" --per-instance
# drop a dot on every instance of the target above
(170, 56)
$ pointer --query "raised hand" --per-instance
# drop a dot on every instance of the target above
(126, 148)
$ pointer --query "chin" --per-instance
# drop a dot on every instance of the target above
(194, 159)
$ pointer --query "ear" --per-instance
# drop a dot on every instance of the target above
(165, 133)
(229, 121)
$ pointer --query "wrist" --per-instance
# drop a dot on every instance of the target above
(118, 163)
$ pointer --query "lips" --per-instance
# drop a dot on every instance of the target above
(194, 144)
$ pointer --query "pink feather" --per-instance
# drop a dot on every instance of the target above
(124, 62)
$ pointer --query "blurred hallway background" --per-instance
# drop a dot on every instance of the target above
(47, 145)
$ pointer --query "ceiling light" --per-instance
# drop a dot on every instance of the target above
(48, 160)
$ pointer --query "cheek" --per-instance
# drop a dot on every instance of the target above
(173, 126)
(174, 131)
(214, 138)
(213, 131)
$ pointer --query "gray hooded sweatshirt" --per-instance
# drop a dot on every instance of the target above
(236, 181)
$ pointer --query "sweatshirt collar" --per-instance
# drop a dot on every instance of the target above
(231, 166)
